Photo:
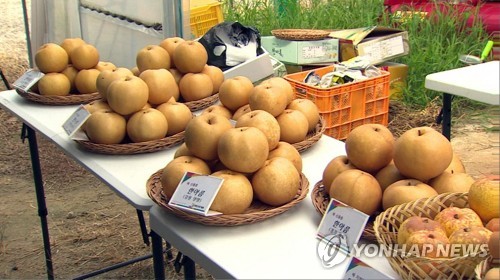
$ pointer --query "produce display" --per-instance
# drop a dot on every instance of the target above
(379, 172)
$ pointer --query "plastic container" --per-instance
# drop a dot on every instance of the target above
(346, 106)
(203, 15)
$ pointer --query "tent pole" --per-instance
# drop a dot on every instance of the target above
(27, 31)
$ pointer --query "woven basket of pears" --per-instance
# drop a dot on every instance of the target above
(203, 103)
(321, 199)
(256, 212)
(312, 137)
(483, 267)
(411, 266)
(132, 148)
(70, 99)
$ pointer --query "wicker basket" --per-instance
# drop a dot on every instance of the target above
(410, 266)
(300, 34)
(133, 148)
(202, 103)
(312, 137)
(71, 99)
(256, 212)
(321, 199)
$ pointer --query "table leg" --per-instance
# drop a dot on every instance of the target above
(142, 224)
(40, 196)
(158, 262)
(446, 125)
(189, 268)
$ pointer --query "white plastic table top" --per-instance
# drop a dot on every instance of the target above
(281, 247)
(126, 175)
(480, 82)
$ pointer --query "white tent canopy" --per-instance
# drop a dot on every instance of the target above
(117, 28)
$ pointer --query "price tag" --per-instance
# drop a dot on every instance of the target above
(359, 270)
(342, 222)
(28, 79)
(195, 193)
(76, 120)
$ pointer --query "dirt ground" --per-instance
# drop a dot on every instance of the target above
(91, 227)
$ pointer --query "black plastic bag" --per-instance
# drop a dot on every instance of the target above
(231, 43)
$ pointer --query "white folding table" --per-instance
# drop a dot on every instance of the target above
(126, 175)
(480, 82)
(281, 247)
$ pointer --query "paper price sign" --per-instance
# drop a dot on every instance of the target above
(27, 80)
(358, 270)
(195, 193)
(343, 221)
(76, 120)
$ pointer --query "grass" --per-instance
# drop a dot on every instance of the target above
(435, 44)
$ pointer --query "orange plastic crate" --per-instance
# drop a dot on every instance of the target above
(203, 15)
(346, 106)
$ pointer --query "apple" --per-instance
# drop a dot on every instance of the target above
(152, 57)
(370, 147)
(218, 109)
(476, 235)
(69, 44)
(404, 191)
(336, 166)
(202, 135)
(169, 44)
(422, 153)
(190, 57)
(493, 224)
(452, 182)
(147, 125)
(293, 126)
(161, 85)
(288, 151)
(85, 56)
(388, 175)
(177, 114)
(416, 223)
(235, 194)
(54, 84)
(216, 75)
(284, 85)
(241, 111)
(484, 198)
(492, 274)
(173, 172)
(195, 86)
(106, 77)
(429, 243)
(85, 80)
(106, 127)
(277, 182)
(235, 92)
(308, 108)
(454, 218)
(357, 189)
(105, 65)
(97, 105)
(494, 247)
(127, 95)
(51, 58)
(71, 73)
(265, 122)
(270, 98)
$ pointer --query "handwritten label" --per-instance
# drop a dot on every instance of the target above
(76, 120)
(195, 193)
(344, 222)
(27, 80)
(358, 270)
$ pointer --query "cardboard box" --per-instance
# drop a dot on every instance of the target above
(302, 52)
(378, 43)
(398, 76)
(255, 69)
